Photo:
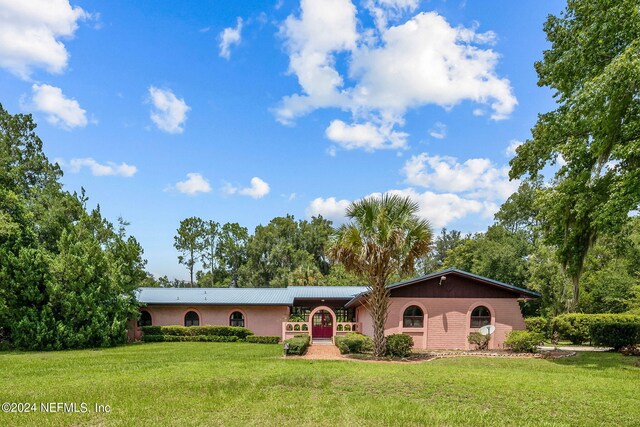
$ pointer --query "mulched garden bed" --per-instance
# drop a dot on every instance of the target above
(427, 356)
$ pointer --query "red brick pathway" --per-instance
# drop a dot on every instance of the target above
(323, 352)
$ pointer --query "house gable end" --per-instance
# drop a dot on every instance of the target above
(454, 286)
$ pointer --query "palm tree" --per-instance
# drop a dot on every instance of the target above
(384, 237)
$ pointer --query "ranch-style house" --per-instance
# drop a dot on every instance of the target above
(438, 310)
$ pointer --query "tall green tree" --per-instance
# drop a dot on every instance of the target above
(445, 242)
(210, 237)
(384, 237)
(284, 245)
(498, 253)
(188, 242)
(232, 249)
(67, 276)
(314, 238)
(593, 67)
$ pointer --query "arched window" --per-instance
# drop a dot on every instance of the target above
(236, 319)
(191, 319)
(145, 318)
(413, 317)
(480, 316)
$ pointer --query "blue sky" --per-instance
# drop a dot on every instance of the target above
(243, 111)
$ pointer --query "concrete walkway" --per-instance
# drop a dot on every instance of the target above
(573, 348)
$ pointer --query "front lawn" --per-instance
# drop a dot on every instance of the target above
(186, 384)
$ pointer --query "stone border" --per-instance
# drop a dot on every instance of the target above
(429, 357)
(450, 354)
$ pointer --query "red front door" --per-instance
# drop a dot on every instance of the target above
(322, 325)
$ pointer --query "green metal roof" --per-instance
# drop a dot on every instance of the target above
(286, 296)
(245, 296)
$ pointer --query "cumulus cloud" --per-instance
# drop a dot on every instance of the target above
(445, 190)
(99, 169)
(366, 136)
(31, 34)
(229, 37)
(383, 11)
(169, 112)
(477, 178)
(323, 29)
(511, 149)
(438, 131)
(256, 190)
(330, 208)
(440, 209)
(59, 110)
(194, 184)
(421, 61)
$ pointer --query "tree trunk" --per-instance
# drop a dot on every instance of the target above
(378, 306)
(234, 281)
(572, 306)
(191, 264)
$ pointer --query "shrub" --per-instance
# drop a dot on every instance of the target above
(151, 330)
(481, 341)
(399, 345)
(298, 344)
(152, 338)
(576, 327)
(523, 341)
(262, 339)
(221, 331)
(538, 325)
(615, 334)
(354, 343)
(187, 338)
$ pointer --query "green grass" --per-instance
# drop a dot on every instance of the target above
(187, 384)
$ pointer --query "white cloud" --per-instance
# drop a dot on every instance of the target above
(98, 169)
(419, 62)
(560, 160)
(257, 189)
(229, 37)
(366, 136)
(385, 10)
(31, 33)
(443, 208)
(194, 184)
(452, 190)
(511, 149)
(169, 112)
(477, 178)
(438, 131)
(427, 61)
(439, 209)
(329, 208)
(324, 28)
(60, 111)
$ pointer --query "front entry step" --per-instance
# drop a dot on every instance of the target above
(322, 341)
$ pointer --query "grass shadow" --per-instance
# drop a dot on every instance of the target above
(599, 360)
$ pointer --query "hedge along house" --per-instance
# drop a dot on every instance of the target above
(438, 310)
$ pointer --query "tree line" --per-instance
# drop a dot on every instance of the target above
(67, 275)
(284, 252)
